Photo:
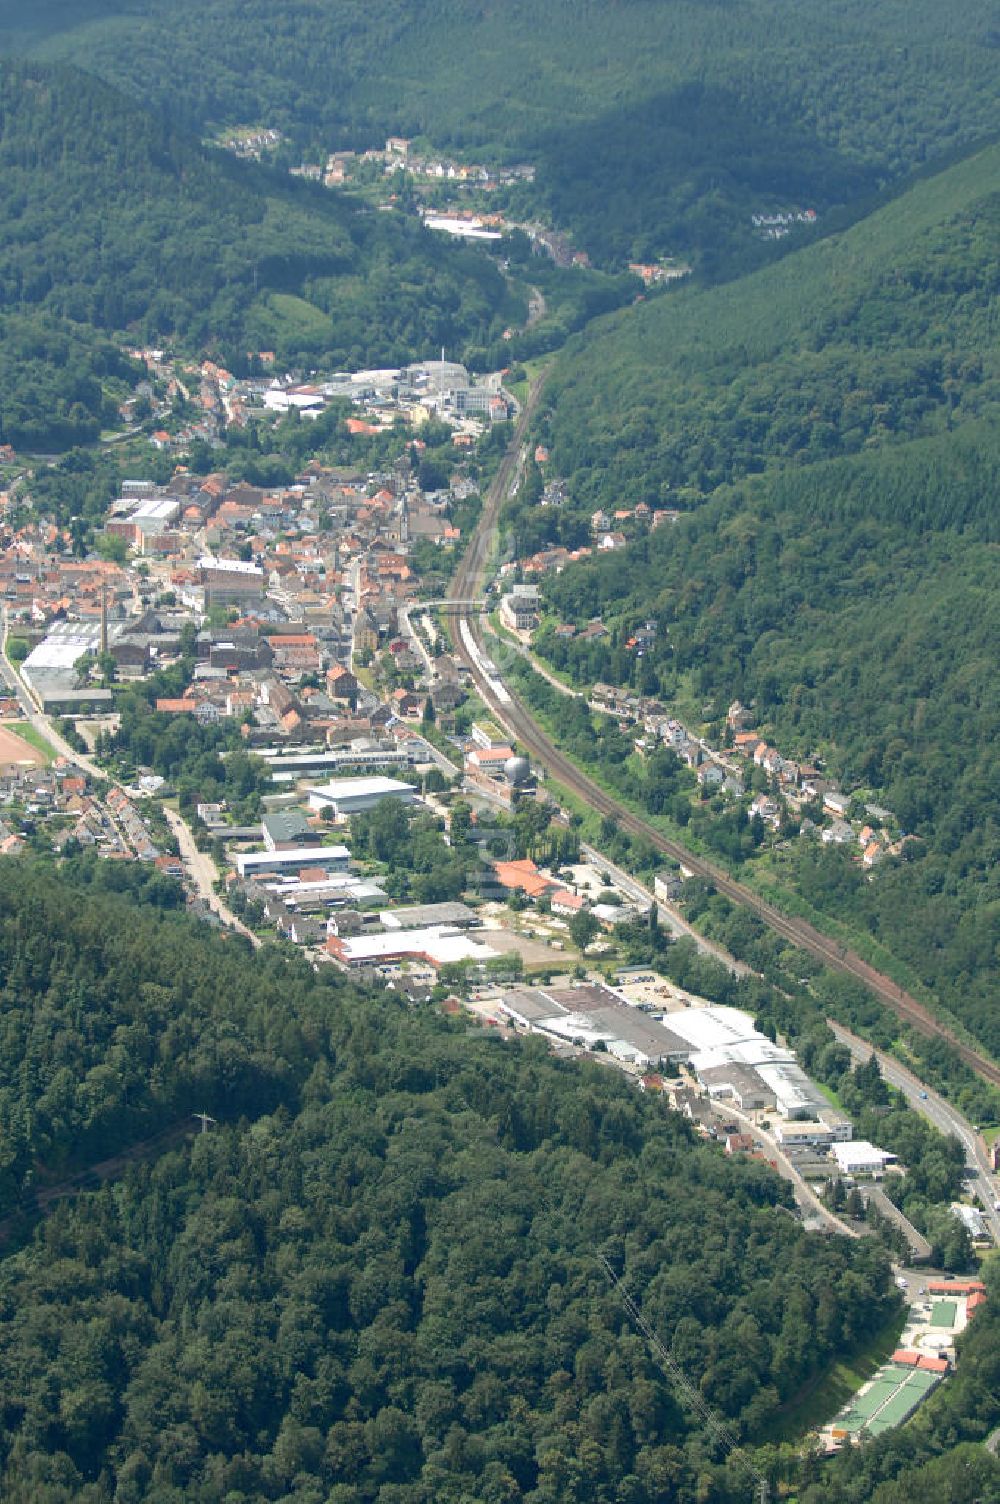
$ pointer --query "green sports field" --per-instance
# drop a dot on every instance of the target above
(893, 1397)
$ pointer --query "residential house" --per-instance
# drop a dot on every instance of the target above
(406, 704)
(341, 684)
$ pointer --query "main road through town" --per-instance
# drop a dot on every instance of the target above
(464, 623)
(946, 1118)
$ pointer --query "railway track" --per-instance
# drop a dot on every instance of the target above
(468, 585)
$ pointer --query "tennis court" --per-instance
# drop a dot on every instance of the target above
(903, 1403)
(890, 1399)
(865, 1405)
(944, 1313)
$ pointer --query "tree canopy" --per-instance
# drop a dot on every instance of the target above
(379, 1269)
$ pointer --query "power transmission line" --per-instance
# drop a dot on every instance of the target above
(717, 1428)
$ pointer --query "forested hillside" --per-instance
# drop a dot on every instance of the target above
(57, 382)
(829, 431)
(657, 125)
(119, 222)
(377, 1272)
(885, 333)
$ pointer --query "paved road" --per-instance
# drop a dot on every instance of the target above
(536, 307)
(524, 652)
(667, 915)
(451, 769)
(199, 866)
(355, 587)
(920, 1248)
(46, 1198)
(804, 1193)
(43, 724)
(408, 630)
(203, 873)
(941, 1113)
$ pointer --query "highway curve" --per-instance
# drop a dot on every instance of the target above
(467, 585)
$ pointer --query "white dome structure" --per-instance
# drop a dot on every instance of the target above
(517, 770)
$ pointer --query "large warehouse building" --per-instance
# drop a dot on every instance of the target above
(437, 945)
(350, 796)
(731, 1058)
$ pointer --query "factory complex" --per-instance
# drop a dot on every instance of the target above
(732, 1061)
(436, 945)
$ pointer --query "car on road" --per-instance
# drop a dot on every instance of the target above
(923, 1096)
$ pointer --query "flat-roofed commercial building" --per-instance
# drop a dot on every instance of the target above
(420, 916)
(436, 946)
(230, 581)
(300, 858)
(351, 796)
(289, 767)
(861, 1158)
(592, 1014)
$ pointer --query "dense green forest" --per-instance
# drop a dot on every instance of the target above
(828, 431)
(885, 333)
(377, 1274)
(54, 383)
(656, 125)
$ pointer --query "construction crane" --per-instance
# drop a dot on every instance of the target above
(694, 1397)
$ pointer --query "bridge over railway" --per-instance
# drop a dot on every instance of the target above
(450, 606)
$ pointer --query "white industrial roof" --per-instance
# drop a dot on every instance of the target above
(973, 1218)
(791, 1086)
(156, 507)
(230, 566)
(287, 886)
(860, 1153)
(581, 1026)
(574, 1026)
(55, 654)
(361, 788)
(714, 1028)
(756, 1051)
(460, 227)
(297, 856)
(443, 945)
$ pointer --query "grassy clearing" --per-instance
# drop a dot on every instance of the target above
(34, 738)
(518, 390)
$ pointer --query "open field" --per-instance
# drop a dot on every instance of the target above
(23, 747)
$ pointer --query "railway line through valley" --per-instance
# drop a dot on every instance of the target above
(464, 624)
